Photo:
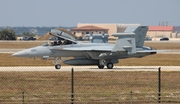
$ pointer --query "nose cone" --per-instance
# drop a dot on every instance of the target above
(20, 54)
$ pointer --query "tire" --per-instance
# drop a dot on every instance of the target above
(101, 66)
(110, 65)
(58, 66)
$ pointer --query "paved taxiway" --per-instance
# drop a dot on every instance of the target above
(91, 68)
(10, 50)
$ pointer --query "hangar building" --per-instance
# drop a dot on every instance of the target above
(161, 31)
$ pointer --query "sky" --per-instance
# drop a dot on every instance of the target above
(71, 12)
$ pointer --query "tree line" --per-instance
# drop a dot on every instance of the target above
(7, 34)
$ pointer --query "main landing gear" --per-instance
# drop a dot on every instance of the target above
(101, 66)
(102, 63)
(110, 65)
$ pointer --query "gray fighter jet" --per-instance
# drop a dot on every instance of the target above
(129, 44)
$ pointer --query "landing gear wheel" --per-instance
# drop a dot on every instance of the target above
(110, 65)
(100, 66)
(58, 66)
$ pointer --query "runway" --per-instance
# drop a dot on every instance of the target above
(10, 51)
(89, 68)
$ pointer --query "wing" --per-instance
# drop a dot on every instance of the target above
(95, 52)
(89, 48)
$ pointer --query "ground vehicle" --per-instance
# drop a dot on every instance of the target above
(148, 39)
(164, 39)
(31, 38)
(28, 38)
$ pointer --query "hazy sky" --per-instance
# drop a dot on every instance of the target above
(70, 12)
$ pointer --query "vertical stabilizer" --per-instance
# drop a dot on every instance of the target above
(140, 32)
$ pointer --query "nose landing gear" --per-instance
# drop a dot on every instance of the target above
(57, 65)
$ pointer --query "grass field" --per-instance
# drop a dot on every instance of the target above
(89, 86)
(163, 45)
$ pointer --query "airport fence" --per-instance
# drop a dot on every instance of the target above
(90, 87)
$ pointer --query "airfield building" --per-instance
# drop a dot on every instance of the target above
(90, 29)
(110, 28)
(161, 31)
(99, 28)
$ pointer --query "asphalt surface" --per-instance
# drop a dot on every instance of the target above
(10, 50)
(90, 68)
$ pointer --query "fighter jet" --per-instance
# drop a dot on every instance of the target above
(128, 44)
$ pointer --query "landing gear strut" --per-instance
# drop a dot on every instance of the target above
(57, 65)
